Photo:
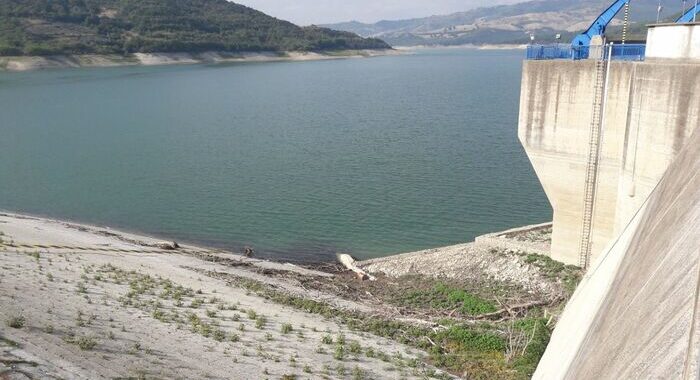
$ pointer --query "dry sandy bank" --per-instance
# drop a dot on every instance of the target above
(79, 302)
(151, 59)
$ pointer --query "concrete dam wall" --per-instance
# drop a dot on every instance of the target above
(651, 108)
(616, 145)
(636, 314)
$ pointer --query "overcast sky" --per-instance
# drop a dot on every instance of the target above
(306, 12)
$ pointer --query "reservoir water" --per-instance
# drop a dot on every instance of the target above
(297, 159)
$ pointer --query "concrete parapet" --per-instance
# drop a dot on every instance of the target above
(531, 239)
(673, 41)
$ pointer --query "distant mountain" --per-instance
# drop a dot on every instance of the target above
(505, 24)
(48, 27)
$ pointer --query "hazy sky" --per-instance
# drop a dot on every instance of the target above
(305, 12)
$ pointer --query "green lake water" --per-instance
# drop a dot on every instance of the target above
(297, 159)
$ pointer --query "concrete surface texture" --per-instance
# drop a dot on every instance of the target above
(635, 314)
(672, 41)
(651, 109)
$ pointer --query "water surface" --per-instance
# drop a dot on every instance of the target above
(298, 159)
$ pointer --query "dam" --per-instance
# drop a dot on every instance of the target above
(625, 120)
(614, 141)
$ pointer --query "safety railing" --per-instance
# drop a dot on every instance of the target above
(629, 52)
(541, 52)
(626, 52)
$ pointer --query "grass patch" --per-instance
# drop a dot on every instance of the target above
(478, 352)
(81, 288)
(355, 348)
(85, 342)
(252, 315)
(569, 275)
(339, 352)
(358, 373)
(537, 330)
(260, 322)
(446, 297)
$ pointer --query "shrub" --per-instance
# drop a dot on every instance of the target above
(16, 322)
(219, 335)
(339, 353)
(358, 373)
(286, 328)
(81, 288)
(260, 322)
(86, 343)
(355, 348)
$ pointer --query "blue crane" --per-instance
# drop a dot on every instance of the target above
(599, 25)
(690, 15)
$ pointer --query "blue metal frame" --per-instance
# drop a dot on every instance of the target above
(621, 52)
(599, 25)
(689, 16)
(628, 52)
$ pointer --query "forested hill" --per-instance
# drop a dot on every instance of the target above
(49, 27)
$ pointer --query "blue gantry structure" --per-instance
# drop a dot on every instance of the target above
(600, 24)
(690, 16)
(580, 47)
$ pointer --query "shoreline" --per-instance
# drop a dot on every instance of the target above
(68, 287)
(439, 262)
(32, 63)
(146, 239)
(465, 46)
(126, 234)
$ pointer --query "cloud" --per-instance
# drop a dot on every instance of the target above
(305, 12)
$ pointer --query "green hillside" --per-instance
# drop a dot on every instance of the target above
(48, 27)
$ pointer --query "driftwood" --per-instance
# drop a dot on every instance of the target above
(168, 246)
(349, 263)
(511, 310)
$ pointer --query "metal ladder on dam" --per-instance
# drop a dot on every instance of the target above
(596, 134)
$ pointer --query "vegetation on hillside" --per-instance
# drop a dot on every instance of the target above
(48, 27)
(511, 24)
